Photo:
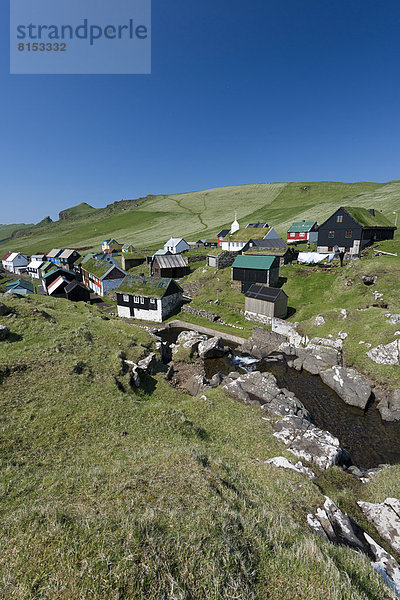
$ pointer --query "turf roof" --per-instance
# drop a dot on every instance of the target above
(98, 268)
(244, 235)
(145, 286)
(364, 217)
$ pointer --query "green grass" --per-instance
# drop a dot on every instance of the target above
(110, 492)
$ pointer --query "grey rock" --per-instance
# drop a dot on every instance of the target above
(349, 385)
(263, 342)
(319, 320)
(387, 354)
(148, 365)
(4, 332)
(385, 517)
(353, 470)
(394, 319)
(262, 388)
(369, 279)
(135, 376)
(307, 441)
(189, 339)
(212, 348)
(284, 463)
(216, 380)
(389, 406)
(197, 384)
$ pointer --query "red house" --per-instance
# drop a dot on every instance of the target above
(303, 231)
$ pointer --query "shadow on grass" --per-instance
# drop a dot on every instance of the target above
(14, 337)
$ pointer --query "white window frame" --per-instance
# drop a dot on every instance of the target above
(125, 298)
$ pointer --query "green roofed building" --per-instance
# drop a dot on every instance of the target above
(249, 269)
(148, 298)
(101, 276)
(351, 229)
(302, 231)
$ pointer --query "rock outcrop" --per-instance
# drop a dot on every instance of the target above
(197, 384)
(307, 441)
(211, 348)
(385, 517)
(389, 406)
(387, 354)
(188, 339)
(263, 342)
(349, 385)
(284, 463)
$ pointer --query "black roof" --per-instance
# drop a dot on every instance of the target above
(269, 244)
(223, 232)
(262, 292)
(71, 286)
(256, 225)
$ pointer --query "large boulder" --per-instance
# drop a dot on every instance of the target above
(386, 519)
(394, 319)
(197, 384)
(387, 354)
(263, 342)
(189, 339)
(314, 359)
(263, 390)
(389, 406)
(4, 332)
(148, 365)
(211, 348)
(349, 385)
(307, 441)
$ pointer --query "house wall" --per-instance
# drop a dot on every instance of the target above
(267, 309)
(110, 284)
(338, 230)
(169, 303)
(232, 246)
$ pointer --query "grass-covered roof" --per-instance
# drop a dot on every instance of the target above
(145, 286)
(244, 235)
(98, 268)
(365, 218)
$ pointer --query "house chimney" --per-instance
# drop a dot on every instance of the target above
(372, 211)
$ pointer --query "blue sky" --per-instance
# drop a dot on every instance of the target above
(281, 90)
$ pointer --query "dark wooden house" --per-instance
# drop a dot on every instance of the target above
(77, 292)
(250, 269)
(68, 258)
(169, 266)
(263, 303)
(51, 276)
(352, 229)
(148, 298)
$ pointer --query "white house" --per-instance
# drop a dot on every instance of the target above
(33, 268)
(176, 245)
(148, 298)
(237, 241)
(15, 262)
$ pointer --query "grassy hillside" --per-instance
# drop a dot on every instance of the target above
(6, 231)
(151, 221)
(76, 212)
(110, 492)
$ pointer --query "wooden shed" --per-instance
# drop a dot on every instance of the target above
(264, 301)
(170, 266)
(250, 269)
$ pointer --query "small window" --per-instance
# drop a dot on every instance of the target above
(141, 300)
(330, 248)
(137, 299)
(125, 298)
(302, 234)
(339, 219)
(331, 234)
(152, 301)
(292, 235)
(349, 233)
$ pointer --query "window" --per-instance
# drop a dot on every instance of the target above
(339, 219)
(125, 298)
(330, 248)
(141, 300)
(349, 233)
(302, 234)
(137, 299)
(292, 235)
(152, 301)
(331, 234)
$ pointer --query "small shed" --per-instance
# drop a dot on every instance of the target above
(264, 301)
(20, 287)
(171, 266)
(250, 269)
(77, 292)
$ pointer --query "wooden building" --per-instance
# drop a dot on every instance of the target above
(352, 229)
(77, 292)
(101, 276)
(265, 302)
(54, 256)
(148, 298)
(68, 258)
(172, 266)
(56, 273)
(302, 231)
(22, 287)
(251, 268)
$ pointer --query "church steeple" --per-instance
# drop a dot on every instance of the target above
(235, 225)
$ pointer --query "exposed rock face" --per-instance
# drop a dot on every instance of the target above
(309, 442)
(386, 519)
(212, 348)
(327, 342)
(148, 365)
(394, 319)
(319, 320)
(4, 332)
(315, 359)
(284, 463)
(4, 310)
(349, 385)
(369, 279)
(164, 350)
(197, 384)
(189, 339)
(389, 407)
(387, 354)
(135, 377)
(332, 524)
(216, 380)
(262, 389)
(263, 342)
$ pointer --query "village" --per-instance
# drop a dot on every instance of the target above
(150, 286)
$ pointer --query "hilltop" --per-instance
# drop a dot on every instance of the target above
(151, 220)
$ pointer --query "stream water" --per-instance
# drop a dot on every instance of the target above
(369, 440)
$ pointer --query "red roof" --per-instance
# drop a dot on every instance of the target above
(6, 256)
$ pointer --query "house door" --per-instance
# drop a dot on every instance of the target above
(132, 310)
